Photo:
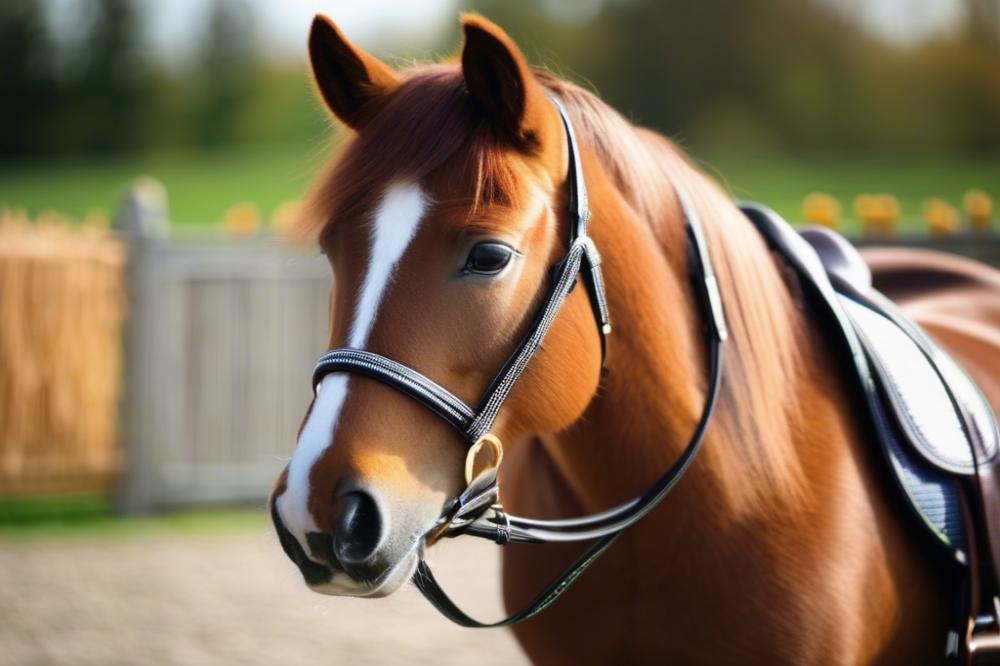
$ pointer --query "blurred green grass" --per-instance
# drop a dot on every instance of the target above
(782, 183)
(201, 186)
(87, 517)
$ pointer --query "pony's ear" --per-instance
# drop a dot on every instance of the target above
(500, 82)
(353, 83)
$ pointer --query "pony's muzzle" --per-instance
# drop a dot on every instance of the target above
(353, 546)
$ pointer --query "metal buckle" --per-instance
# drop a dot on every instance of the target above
(502, 521)
(983, 638)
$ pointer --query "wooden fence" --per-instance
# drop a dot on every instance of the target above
(61, 310)
(220, 344)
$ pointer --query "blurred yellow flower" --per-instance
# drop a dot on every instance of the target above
(942, 218)
(96, 219)
(819, 208)
(242, 219)
(878, 213)
(286, 215)
(979, 208)
(51, 218)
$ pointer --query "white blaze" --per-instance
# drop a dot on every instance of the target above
(396, 220)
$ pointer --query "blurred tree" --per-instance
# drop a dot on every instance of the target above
(27, 88)
(226, 71)
(704, 70)
(105, 98)
(983, 21)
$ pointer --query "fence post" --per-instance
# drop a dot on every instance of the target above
(143, 221)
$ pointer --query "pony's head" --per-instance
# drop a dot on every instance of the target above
(441, 220)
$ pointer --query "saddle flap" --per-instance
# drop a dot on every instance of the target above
(916, 389)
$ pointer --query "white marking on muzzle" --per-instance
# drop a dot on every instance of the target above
(395, 222)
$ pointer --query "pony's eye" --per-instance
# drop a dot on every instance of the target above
(488, 258)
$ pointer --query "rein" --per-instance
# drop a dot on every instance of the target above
(466, 514)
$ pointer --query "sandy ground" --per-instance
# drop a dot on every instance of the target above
(227, 599)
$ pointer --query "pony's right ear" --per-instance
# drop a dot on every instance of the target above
(353, 83)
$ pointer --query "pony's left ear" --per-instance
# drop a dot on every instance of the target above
(501, 83)
(353, 83)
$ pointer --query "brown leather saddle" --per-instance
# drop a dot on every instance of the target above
(937, 434)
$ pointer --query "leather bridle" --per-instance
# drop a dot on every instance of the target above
(467, 513)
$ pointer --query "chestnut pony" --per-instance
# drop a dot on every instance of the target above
(441, 220)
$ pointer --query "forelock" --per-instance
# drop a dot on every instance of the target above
(429, 130)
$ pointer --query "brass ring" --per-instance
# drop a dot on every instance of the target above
(470, 459)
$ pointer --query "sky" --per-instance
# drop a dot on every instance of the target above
(414, 24)
(284, 24)
(905, 21)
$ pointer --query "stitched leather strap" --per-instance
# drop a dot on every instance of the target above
(405, 379)
(499, 389)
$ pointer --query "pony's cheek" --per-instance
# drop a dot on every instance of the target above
(562, 378)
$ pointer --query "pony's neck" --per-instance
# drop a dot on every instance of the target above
(657, 365)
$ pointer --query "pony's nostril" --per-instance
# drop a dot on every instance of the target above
(359, 528)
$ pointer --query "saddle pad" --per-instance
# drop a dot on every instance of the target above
(916, 393)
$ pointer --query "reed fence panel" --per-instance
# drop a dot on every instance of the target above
(62, 301)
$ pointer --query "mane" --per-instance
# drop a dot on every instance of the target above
(430, 129)
(769, 338)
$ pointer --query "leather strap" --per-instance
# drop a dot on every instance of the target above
(407, 380)
(578, 201)
(579, 212)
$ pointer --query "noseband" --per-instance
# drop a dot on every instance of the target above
(467, 513)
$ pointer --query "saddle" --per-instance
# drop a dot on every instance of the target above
(937, 435)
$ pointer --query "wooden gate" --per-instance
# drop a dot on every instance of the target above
(220, 346)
